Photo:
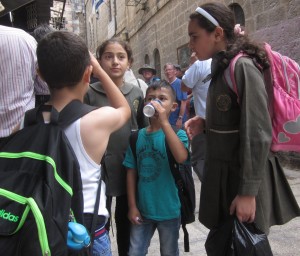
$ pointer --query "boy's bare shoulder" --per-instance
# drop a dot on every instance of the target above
(100, 114)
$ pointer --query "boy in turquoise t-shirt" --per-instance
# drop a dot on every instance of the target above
(152, 193)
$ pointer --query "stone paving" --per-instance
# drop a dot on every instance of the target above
(284, 240)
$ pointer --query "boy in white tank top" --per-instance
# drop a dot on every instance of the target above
(66, 65)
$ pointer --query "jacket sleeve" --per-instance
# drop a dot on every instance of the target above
(255, 126)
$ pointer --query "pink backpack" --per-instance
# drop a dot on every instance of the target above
(283, 87)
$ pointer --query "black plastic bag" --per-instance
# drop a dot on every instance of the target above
(233, 238)
(248, 240)
(219, 240)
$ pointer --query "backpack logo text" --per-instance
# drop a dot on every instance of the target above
(8, 216)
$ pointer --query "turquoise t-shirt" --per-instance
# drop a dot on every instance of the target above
(157, 196)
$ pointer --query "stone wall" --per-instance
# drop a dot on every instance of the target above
(162, 25)
(284, 37)
(276, 22)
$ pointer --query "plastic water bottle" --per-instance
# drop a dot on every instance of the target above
(78, 236)
(149, 109)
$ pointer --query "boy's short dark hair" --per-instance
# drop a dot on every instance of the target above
(162, 84)
(62, 59)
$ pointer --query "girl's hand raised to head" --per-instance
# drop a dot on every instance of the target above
(194, 126)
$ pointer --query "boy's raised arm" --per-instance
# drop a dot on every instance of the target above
(114, 95)
(176, 146)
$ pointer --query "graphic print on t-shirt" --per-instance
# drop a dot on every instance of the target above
(151, 162)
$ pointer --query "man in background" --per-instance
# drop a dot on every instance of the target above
(39, 33)
(148, 73)
(41, 30)
(19, 82)
(197, 79)
(177, 117)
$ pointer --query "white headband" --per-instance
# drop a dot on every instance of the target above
(207, 16)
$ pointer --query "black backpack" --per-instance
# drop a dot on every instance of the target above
(40, 184)
(183, 176)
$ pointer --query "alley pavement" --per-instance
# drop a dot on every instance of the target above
(284, 239)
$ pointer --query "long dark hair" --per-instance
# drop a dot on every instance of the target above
(235, 42)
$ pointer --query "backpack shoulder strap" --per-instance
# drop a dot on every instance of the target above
(229, 74)
(73, 111)
(173, 164)
(138, 82)
(96, 207)
(132, 142)
(186, 238)
(267, 73)
(34, 116)
(140, 117)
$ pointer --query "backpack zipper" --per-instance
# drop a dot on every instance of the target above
(40, 226)
(36, 156)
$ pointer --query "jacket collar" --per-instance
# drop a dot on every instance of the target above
(125, 89)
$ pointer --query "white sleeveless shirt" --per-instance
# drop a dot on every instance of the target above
(90, 172)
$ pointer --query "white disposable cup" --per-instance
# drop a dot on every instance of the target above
(149, 109)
